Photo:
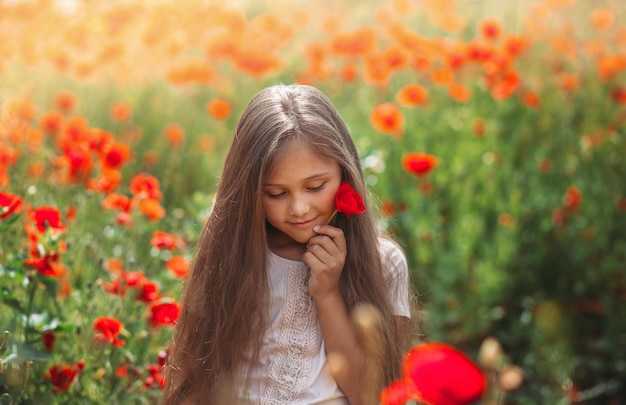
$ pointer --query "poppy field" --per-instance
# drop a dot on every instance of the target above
(492, 135)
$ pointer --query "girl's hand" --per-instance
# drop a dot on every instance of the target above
(325, 256)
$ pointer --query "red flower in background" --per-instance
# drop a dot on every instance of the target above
(65, 101)
(388, 119)
(437, 374)
(8, 157)
(63, 375)
(412, 95)
(79, 162)
(121, 111)
(155, 377)
(9, 204)
(175, 135)
(419, 164)
(115, 155)
(619, 94)
(116, 201)
(51, 122)
(152, 209)
(48, 339)
(178, 266)
(47, 217)
(148, 292)
(219, 109)
(164, 314)
(107, 182)
(490, 29)
(145, 186)
(163, 240)
(479, 127)
(108, 329)
(572, 199)
(569, 207)
(48, 265)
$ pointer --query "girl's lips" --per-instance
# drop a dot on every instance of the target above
(304, 224)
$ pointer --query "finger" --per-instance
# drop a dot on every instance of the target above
(312, 261)
(323, 255)
(336, 234)
(324, 241)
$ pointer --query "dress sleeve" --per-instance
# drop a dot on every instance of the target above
(396, 276)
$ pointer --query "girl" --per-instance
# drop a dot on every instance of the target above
(272, 286)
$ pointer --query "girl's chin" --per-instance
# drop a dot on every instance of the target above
(303, 238)
(296, 238)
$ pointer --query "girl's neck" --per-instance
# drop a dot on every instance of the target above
(284, 246)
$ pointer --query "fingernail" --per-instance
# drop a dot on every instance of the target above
(316, 228)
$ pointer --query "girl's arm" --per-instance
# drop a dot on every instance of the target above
(325, 256)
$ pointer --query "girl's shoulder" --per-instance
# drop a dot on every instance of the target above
(392, 256)
(389, 249)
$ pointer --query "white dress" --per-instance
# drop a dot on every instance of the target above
(294, 367)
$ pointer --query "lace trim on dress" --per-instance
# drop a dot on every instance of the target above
(298, 342)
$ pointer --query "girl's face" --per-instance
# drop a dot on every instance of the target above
(300, 193)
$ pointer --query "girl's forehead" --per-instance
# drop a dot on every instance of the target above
(299, 162)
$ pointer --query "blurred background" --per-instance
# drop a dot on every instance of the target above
(492, 134)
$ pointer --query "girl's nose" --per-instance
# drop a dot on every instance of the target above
(299, 206)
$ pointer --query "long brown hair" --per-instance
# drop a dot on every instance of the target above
(224, 301)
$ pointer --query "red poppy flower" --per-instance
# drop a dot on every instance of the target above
(48, 339)
(175, 135)
(388, 119)
(8, 156)
(156, 377)
(116, 155)
(348, 201)
(164, 314)
(178, 266)
(121, 111)
(145, 186)
(79, 161)
(65, 101)
(107, 182)
(116, 201)
(48, 265)
(163, 240)
(9, 204)
(412, 95)
(108, 329)
(115, 287)
(437, 374)
(148, 292)
(152, 209)
(572, 199)
(63, 375)
(419, 164)
(47, 217)
(490, 28)
(219, 109)
(51, 122)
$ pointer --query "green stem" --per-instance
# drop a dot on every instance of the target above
(331, 217)
(29, 307)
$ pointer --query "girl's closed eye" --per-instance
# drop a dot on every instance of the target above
(317, 188)
(275, 195)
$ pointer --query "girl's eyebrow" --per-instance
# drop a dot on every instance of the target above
(312, 177)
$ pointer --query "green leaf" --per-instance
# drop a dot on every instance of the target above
(6, 223)
(11, 301)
